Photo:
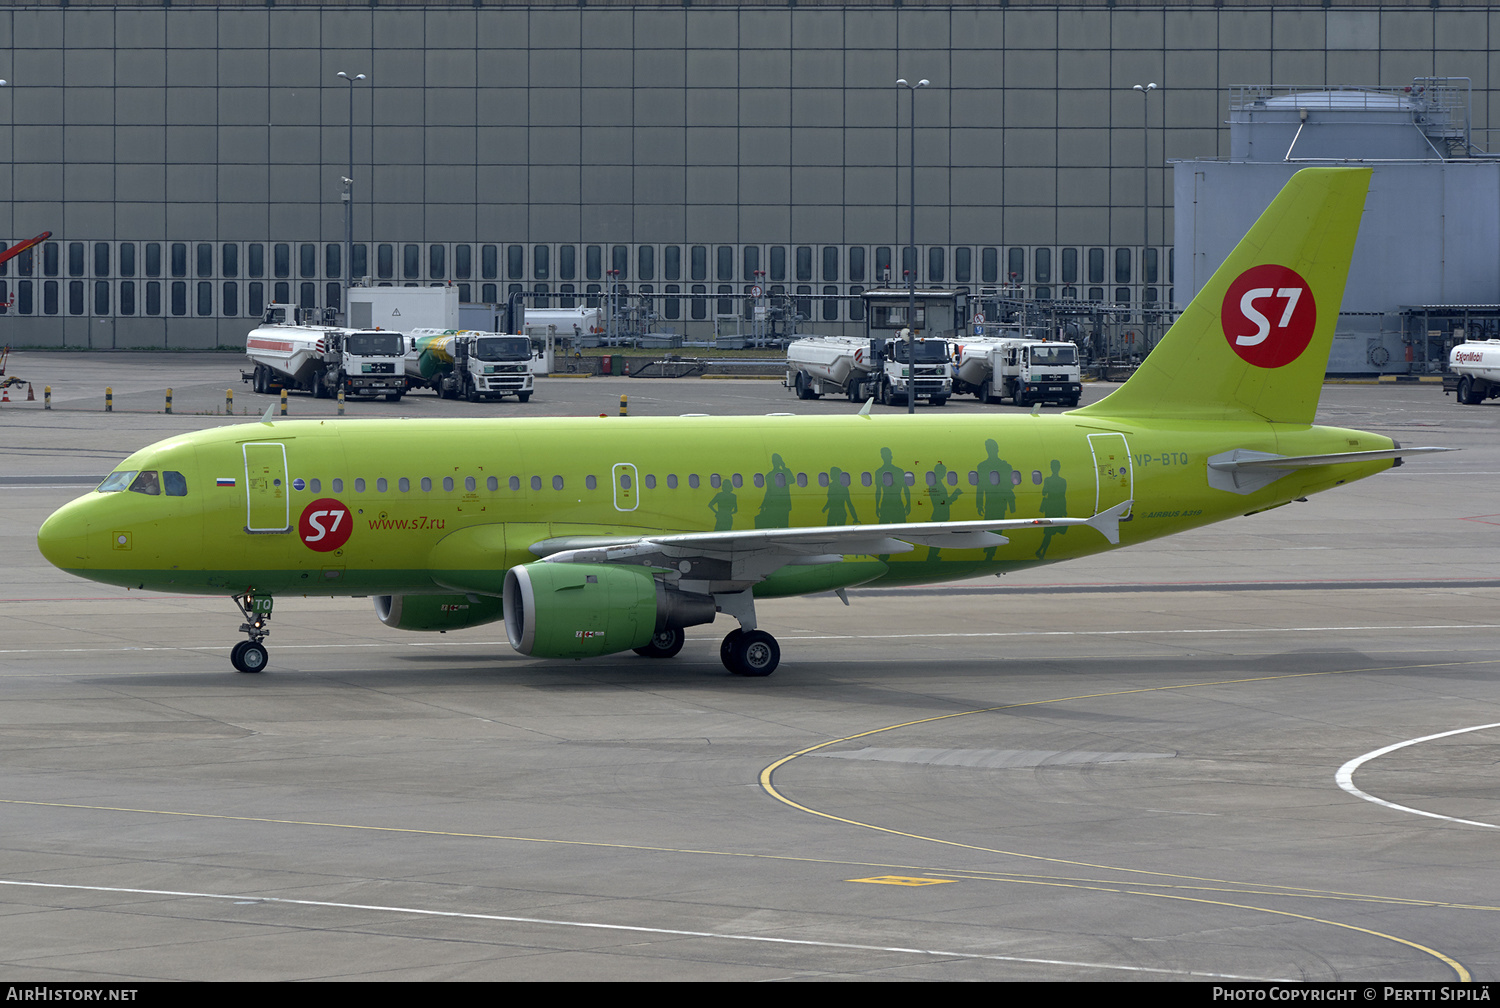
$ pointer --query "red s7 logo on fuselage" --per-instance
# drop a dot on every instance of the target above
(325, 525)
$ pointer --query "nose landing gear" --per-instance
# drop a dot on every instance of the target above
(250, 655)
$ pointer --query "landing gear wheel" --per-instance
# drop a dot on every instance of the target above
(664, 644)
(249, 656)
(752, 653)
(726, 648)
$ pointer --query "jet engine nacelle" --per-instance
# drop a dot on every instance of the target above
(570, 610)
(437, 612)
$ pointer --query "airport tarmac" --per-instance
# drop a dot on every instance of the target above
(1263, 750)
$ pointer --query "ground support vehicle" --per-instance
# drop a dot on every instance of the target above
(1474, 371)
(1026, 371)
(291, 352)
(470, 365)
(859, 368)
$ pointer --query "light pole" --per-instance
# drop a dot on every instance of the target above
(911, 274)
(348, 181)
(1145, 203)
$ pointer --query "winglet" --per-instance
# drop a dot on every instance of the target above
(267, 418)
(864, 410)
(1108, 522)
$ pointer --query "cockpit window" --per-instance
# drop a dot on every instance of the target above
(146, 482)
(115, 482)
(175, 482)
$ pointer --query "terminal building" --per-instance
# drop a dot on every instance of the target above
(188, 156)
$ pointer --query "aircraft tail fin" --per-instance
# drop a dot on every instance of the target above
(1255, 341)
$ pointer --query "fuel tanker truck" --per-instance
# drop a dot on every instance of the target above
(458, 363)
(858, 367)
(1475, 371)
(292, 352)
(1025, 370)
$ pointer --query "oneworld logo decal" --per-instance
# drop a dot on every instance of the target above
(1268, 315)
(325, 525)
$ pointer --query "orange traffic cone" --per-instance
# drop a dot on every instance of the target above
(30, 395)
(5, 394)
(627, 369)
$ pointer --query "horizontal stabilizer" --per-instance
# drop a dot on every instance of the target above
(1243, 471)
(1107, 522)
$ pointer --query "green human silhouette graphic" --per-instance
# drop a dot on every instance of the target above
(724, 505)
(776, 508)
(892, 495)
(840, 506)
(941, 496)
(1054, 505)
(995, 496)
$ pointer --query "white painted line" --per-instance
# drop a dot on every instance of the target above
(1345, 776)
(805, 637)
(242, 898)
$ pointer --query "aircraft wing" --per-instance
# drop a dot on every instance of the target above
(810, 544)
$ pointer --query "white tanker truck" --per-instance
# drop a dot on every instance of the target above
(289, 352)
(859, 367)
(1475, 371)
(472, 365)
(1025, 370)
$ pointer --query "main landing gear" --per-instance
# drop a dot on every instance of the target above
(744, 652)
(250, 655)
(750, 652)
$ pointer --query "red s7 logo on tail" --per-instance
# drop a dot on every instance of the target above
(325, 525)
(1269, 314)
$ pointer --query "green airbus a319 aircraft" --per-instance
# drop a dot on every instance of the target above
(601, 535)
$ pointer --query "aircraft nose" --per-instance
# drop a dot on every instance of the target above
(63, 538)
